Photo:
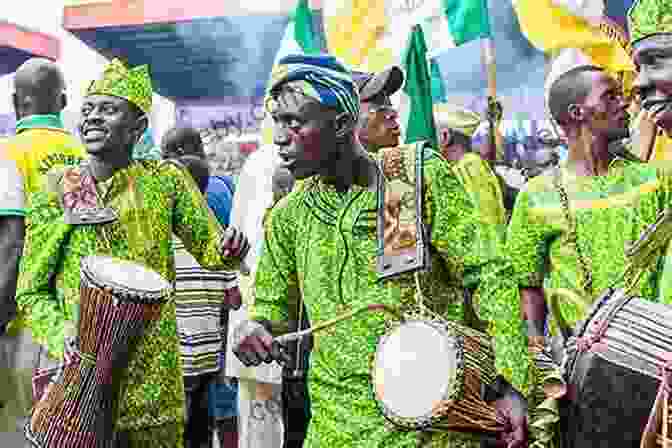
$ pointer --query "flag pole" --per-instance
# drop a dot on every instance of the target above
(494, 109)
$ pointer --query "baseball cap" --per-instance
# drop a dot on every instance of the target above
(387, 82)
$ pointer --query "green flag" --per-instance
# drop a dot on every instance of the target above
(417, 113)
(304, 32)
(467, 19)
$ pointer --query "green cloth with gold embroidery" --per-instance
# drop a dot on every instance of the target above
(153, 201)
(611, 212)
(323, 243)
(647, 17)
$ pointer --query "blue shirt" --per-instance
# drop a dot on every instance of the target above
(219, 195)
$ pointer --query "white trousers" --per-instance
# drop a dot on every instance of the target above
(260, 420)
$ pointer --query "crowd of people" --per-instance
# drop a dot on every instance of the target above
(335, 216)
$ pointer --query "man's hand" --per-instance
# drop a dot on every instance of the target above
(234, 243)
(254, 344)
(233, 299)
(511, 407)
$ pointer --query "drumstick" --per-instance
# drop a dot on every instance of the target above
(289, 337)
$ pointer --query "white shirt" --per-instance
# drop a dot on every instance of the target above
(12, 193)
(254, 195)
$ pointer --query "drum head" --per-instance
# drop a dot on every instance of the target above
(124, 275)
(414, 369)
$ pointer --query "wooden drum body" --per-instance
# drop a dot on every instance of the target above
(428, 374)
(614, 367)
(119, 302)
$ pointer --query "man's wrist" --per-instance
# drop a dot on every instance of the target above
(536, 344)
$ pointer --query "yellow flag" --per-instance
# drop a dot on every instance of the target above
(354, 28)
(551, 28)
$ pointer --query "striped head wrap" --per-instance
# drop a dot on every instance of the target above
(323, 78)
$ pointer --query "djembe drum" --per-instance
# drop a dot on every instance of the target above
(614, 366)
(428, 374)
(119, 302)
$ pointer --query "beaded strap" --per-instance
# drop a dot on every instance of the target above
(573, 234)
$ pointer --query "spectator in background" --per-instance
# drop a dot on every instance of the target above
(260, 387)
(181, 141)
(41, 143)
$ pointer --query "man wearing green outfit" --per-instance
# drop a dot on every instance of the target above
(570, 228)
(320, 250)
(151, 201)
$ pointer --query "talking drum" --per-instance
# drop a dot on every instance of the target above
(428, 374)
(614, 366)
(119, 302)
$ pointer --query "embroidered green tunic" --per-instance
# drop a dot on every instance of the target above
(610, 212)
(153, 201)
(321, 244)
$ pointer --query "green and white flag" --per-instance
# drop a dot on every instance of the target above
(451, 23)
(300, 36)
(416, 102)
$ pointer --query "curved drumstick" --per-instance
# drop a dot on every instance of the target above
(289, 337)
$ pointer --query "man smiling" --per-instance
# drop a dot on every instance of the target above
(320, 250)
(146, 202)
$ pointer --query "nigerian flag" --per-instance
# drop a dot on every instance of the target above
(300, 35)
(416, 107)
(467, 20)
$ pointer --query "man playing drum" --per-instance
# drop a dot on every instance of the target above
(320, 249)
(570, 228)
(138, 206)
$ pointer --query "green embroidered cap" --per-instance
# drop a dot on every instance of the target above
(647, 17)
(134, 85)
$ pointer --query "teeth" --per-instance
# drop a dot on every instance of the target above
(95, 134)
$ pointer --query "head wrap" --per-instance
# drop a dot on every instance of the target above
(133, 85)
(458, 119)
(323, 78)
(647, 17)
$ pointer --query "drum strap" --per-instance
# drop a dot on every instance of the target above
(402, 235)
(573, 232)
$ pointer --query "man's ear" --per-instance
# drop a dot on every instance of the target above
(64, 101)
(576, 112)
(444, 136)
(15, 102)
(344, 125)
(141, 125)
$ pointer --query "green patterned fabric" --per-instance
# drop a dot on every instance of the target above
(647, 17)
(133, 85)
(611, 212)
(323, 243)
(153, 201)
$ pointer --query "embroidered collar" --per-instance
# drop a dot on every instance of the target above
(40, 122)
